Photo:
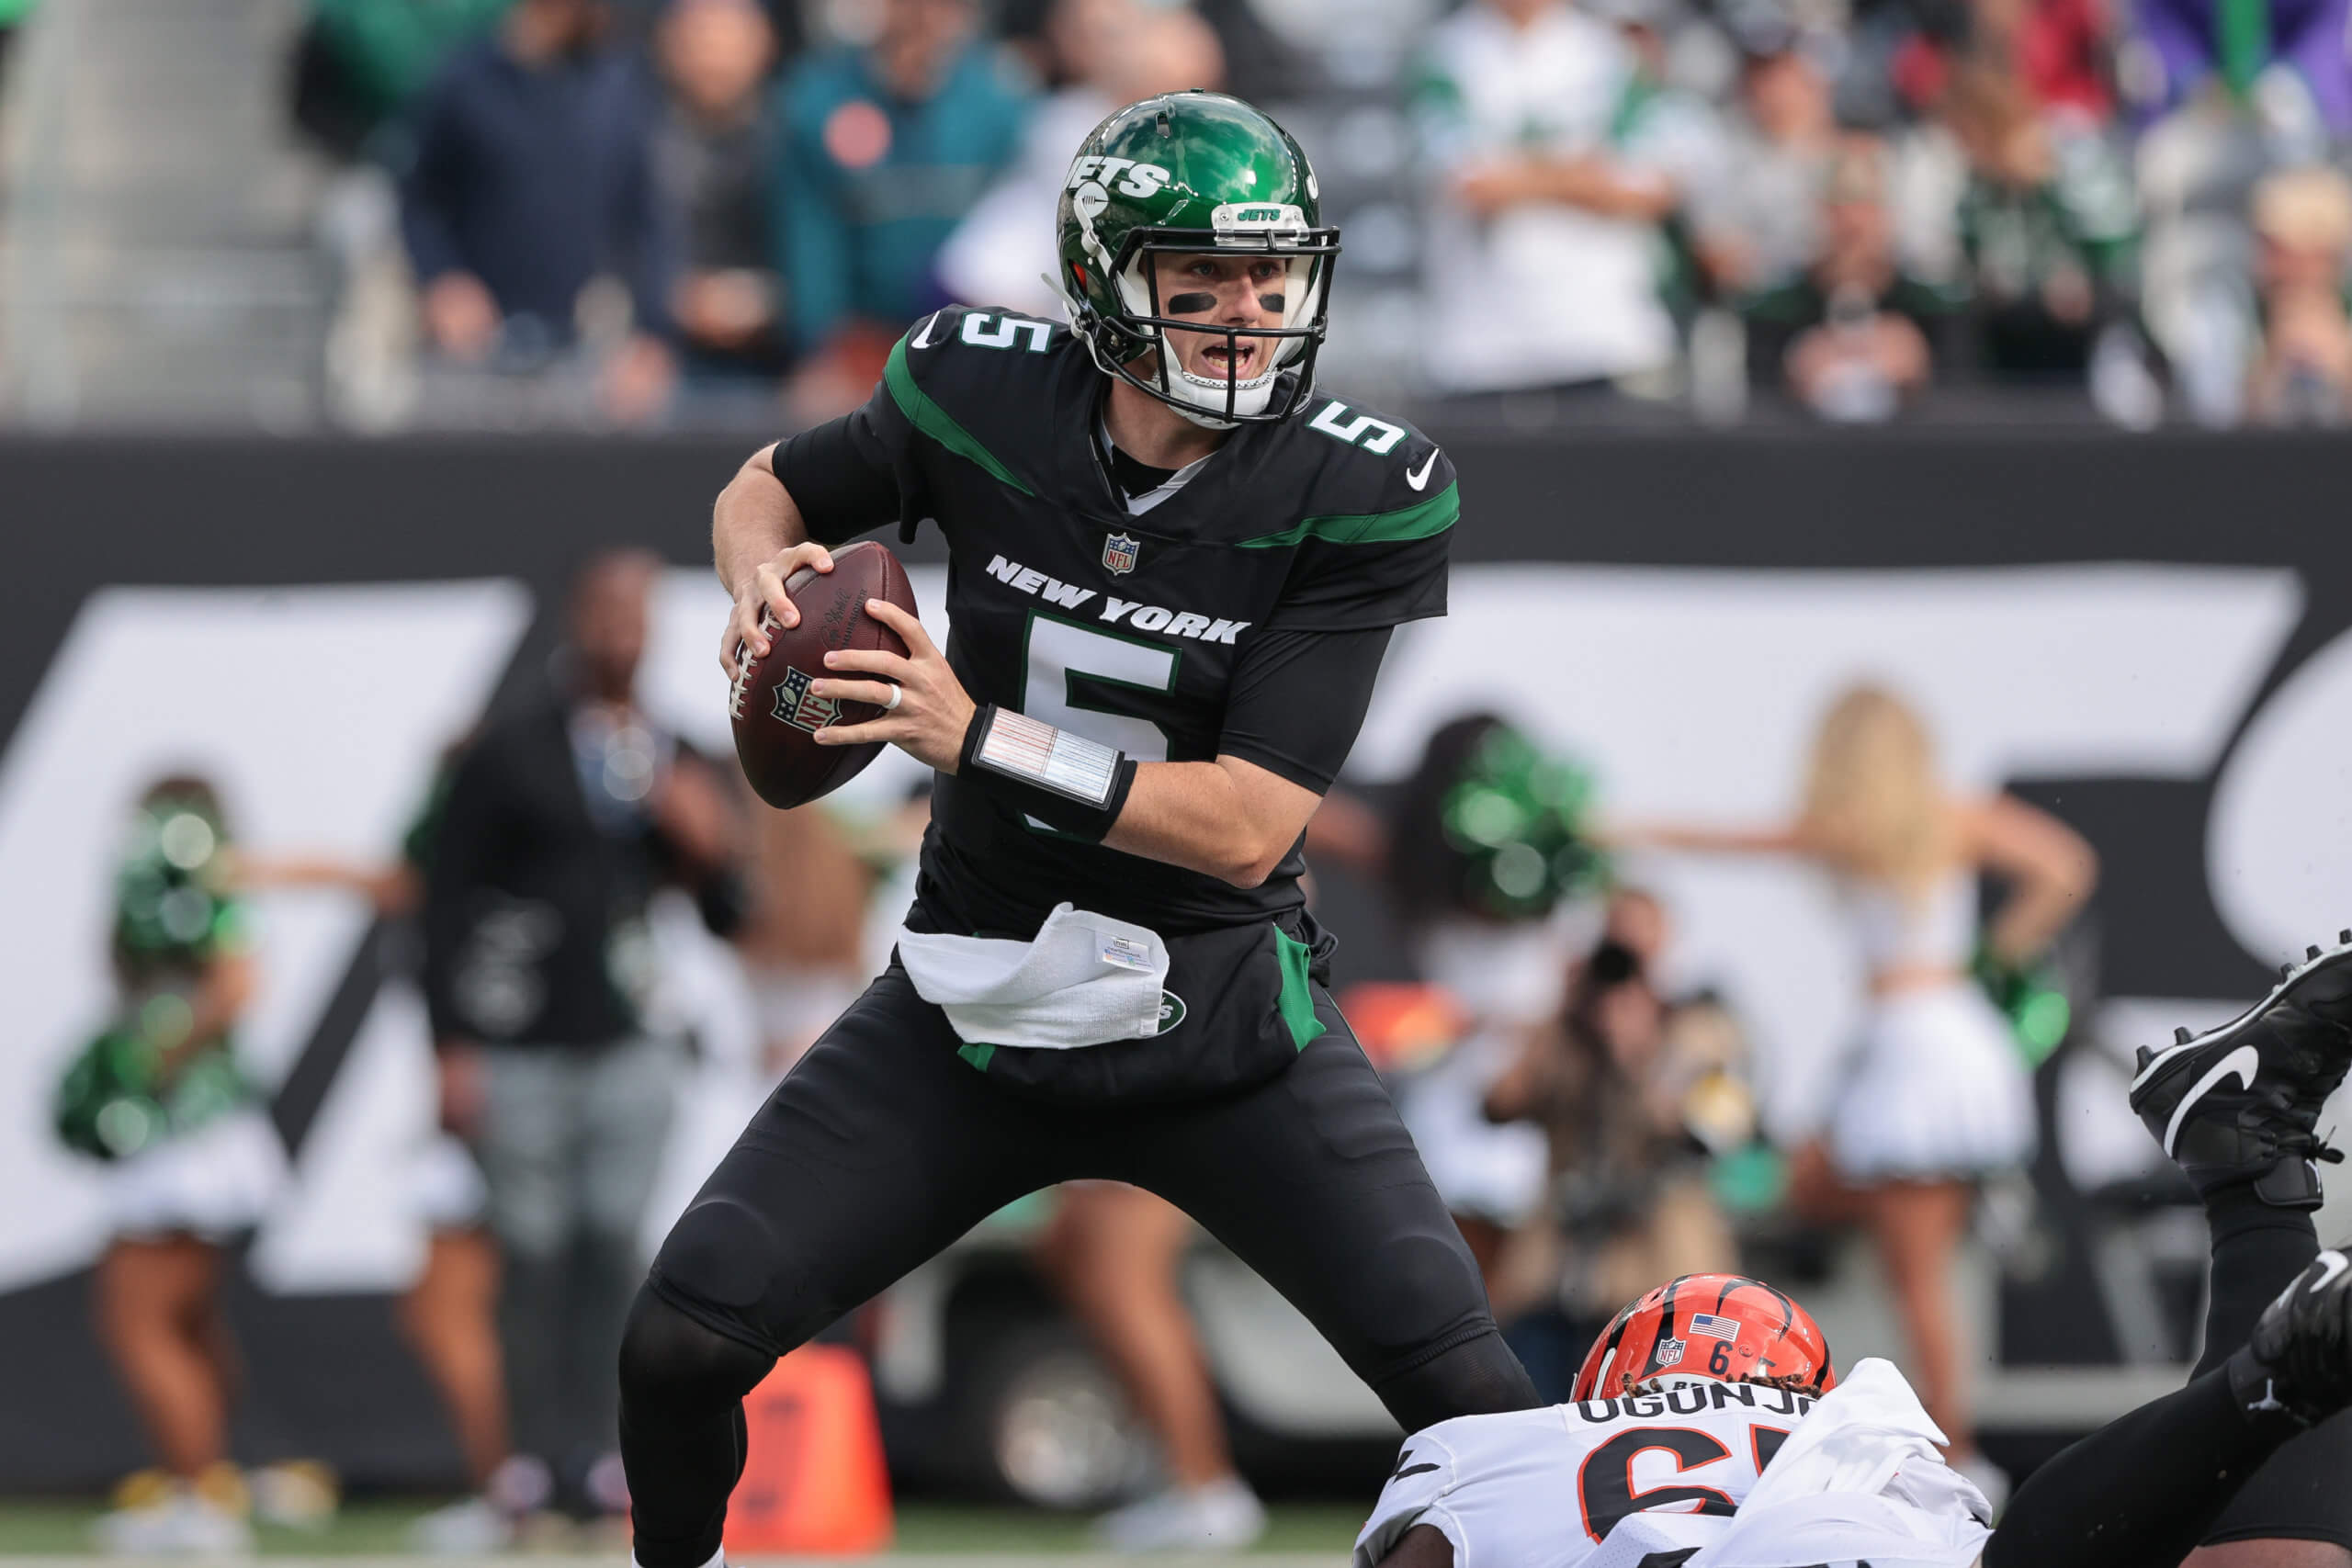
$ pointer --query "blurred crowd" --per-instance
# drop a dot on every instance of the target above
(1845, 207)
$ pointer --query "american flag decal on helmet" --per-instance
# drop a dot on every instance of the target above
(1758, 1335)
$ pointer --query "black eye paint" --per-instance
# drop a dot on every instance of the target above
(1271, 303)
(1191, 304)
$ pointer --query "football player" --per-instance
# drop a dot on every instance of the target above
(1174, 566)
(1709, 1430)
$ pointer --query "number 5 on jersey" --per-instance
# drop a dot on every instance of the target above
(1059, 650)
(1376, 436)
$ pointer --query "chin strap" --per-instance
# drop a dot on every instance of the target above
(1206, 421)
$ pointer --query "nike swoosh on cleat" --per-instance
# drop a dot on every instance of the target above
(2271, 998)
(2332, 1264)
(924, 340)
(1416, 479)
(2241, 1063)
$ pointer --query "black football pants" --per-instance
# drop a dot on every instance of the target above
(882, 1147)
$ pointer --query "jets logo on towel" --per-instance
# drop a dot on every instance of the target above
(796, 707)
(1714, 1327)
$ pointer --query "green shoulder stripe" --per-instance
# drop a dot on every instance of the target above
(937, 422)
(1434, 515)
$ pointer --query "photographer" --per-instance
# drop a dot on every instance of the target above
(1632, 1091)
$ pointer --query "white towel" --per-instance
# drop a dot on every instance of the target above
(1085, 979)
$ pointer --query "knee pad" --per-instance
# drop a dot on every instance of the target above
(670, 1362)
(1478, 1377)
(721, 1252)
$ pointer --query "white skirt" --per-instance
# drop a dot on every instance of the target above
(447, 1184)
(1936, 1088)
(215, 1182)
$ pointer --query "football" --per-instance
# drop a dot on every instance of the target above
(775, 716)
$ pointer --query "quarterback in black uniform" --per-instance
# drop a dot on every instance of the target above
(1174, 566)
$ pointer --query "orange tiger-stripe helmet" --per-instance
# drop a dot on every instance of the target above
(1724, 1328)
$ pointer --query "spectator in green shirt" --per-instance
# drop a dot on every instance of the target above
(1854, 337)
(2049, 224)
(882, 149)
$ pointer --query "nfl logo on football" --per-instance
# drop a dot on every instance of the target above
(1119, 554)
(796, 707)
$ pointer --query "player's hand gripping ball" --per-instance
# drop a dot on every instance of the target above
(776, 711)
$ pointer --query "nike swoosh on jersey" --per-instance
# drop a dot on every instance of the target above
(1404, 1459)
(924, 340)
(2333, 1263)
(1416, 479)
(2241, 1063)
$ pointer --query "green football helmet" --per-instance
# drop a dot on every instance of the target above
(1188, 173)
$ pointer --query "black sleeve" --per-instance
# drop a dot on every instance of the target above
(845, 475)
(1347, 588)
(463, 841)
(1298, 699)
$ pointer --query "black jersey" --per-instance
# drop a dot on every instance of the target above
(1288, 549)
(1128, 628)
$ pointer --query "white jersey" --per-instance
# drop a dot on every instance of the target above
(1728, 1475)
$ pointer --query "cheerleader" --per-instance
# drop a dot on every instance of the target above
(192, 1163)
(1937, 1094)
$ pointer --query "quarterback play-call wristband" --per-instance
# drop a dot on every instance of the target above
(1063, 780)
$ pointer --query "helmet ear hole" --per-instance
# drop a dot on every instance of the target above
(1302, 301)
(1135, 288)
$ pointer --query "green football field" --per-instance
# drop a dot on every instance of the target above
(1304, 1534)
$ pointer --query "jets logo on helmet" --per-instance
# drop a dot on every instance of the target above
(1184, 173)
(1708, 1328)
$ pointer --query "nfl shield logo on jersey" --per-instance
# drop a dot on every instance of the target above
(796, 707)
(1119, 554)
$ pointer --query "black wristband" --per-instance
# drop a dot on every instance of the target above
(1067, 782)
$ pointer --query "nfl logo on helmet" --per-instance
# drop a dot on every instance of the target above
(796, 707)
(1119, 554)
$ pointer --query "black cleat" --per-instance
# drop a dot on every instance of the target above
(2299, 1359)
(2240, 1102)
